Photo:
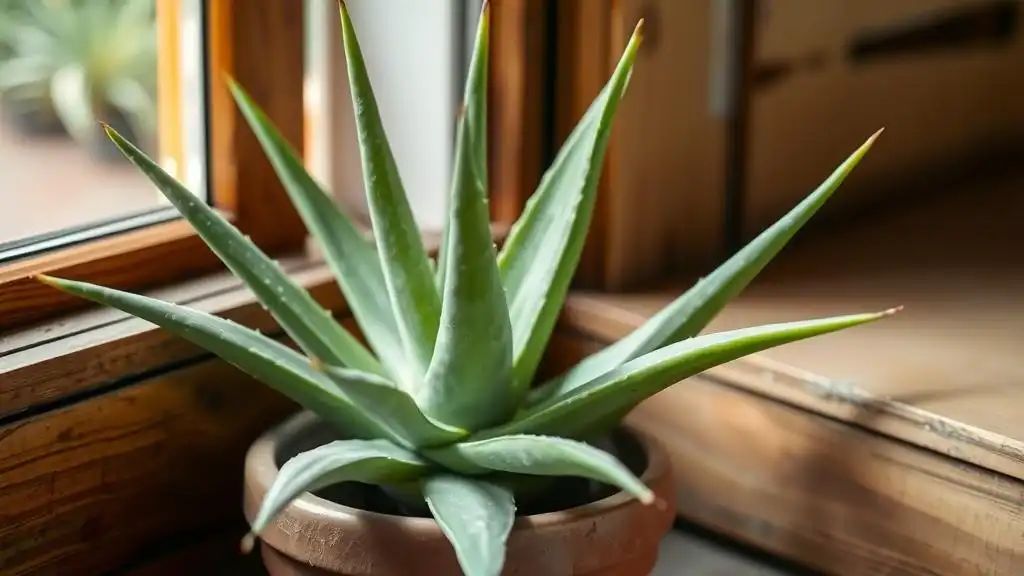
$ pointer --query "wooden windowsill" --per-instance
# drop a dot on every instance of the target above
(894, 445)
(87, 352)
(943, 374)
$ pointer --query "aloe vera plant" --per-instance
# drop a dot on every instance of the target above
(444, 400)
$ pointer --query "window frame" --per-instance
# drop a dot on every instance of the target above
(260, 46)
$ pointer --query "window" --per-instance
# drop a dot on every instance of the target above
(78, 210)
(69, 65)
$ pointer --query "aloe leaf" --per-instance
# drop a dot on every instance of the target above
(476, 110)
(476, 516)
(691, 312)
(351, 257)
(407, 275)
(469, 382)
(267, 360)
(544, 245)
(442, 258)
(575, 413)
(367, 461)
(392, 405)
(540, 456)
(312, 327)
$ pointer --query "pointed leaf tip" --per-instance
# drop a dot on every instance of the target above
(869, 142)
(638, 31)
(248, 543)
(45, 279)
(892, 311)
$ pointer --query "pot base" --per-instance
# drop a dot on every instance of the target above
(278, 564)
(318, 536)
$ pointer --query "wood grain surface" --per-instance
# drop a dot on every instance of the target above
(107, 481)
(827, 494)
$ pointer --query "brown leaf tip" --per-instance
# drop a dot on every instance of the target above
(647, 498)
(317, 364)
(892, 311)
(45, 279)
(638, 32)
(248, 543)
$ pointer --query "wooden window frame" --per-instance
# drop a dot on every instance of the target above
(260, 44)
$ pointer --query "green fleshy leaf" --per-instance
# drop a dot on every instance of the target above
(312, 327)
(469, 382)
(367, 461)
(393, 406)
(577, 412)
(351, 257)
(267, 360)
(477, 518)
(410, 283)
(540, 456)
(692, 311)
(544, 246)
(442, 258)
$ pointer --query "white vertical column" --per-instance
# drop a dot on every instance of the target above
(413, 56)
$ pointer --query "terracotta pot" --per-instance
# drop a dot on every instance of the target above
(614, 535)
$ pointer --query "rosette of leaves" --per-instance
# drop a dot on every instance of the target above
(444, 400)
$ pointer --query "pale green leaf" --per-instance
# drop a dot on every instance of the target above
(392, 405)
(477, 112)
(71, 97)
(469, 382)
(351, 257)
(410, 283)
(312, 327)
(541, 456)
(692, 311)
(544, 246)
(440, 265)
(367, 461)
(579, 410)
(267, 360)
(476, 516)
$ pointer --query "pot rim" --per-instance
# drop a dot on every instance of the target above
(261, 469)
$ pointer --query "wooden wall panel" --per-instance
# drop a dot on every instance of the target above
(660, 201)
(105, 482)
(518, 101)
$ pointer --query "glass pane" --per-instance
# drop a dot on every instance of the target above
(65, 67)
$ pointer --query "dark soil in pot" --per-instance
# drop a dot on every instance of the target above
(576, 527)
